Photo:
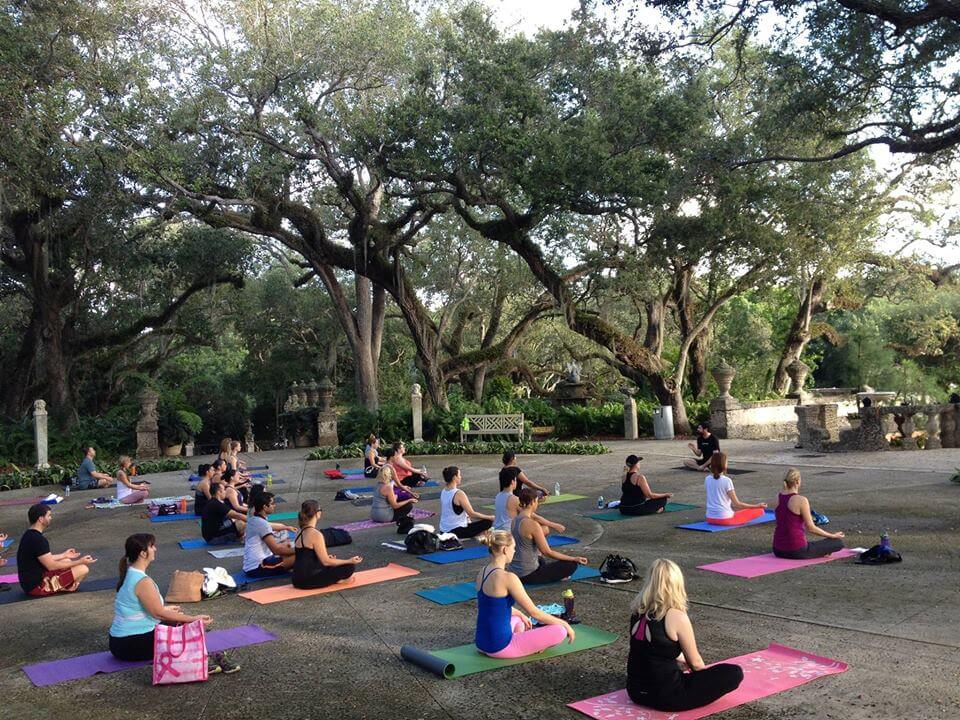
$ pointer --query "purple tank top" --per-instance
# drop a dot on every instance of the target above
(789, 534)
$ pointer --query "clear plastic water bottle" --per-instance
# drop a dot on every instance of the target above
(269, 479)
(556, 488)
(66, 490)
(600, 503)
(884, 540)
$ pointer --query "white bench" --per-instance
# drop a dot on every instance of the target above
(493, 425)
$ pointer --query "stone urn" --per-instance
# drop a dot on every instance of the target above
(313, 393)
(724, 373)
(324, 394)
(798, 371)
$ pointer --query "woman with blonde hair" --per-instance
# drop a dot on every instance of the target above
(129, 493)
(793, 516)
(387, 507)
(662, 645)
(502, 630)
(723, 505)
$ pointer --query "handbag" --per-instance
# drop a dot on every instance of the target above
(179, 653)
(185, 587)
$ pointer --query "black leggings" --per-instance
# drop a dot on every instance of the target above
(323, 578)
(696, 689)
(414, 480)
(647, 507)
(401, 512)
(817, 549)
(132, 647)
(549, 572)
(472, 529)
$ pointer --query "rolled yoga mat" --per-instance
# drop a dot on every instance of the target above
(478, 552)
(82, 666)
(462, 592)
(15, 594)
(704, 526)
(767, 564)
(765, 673)
(467, 660)
(615, 515)
(271, 595)
(258, 467)
(551, 499)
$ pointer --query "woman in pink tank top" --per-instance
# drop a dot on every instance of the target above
(793, 518)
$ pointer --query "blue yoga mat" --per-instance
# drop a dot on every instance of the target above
(241, 578)
(462, 592)
(197, 543)
(704, 526)
(476, 553)
(174, 518)
(431, 483)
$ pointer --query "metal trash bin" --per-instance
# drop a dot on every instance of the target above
(663, 423)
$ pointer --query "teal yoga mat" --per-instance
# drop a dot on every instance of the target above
(614, 515)
(478, 552)
(462, 592)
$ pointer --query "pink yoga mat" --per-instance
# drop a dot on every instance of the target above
(757, 565)
(416, 514)
(766, 672)
(12, 578)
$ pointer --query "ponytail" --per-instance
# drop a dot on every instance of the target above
(308, 511)
(718, 464)
(135, 544)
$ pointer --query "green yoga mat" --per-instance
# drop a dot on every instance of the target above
(280, 517)
(614, 515)
(467, 660)
(551, 500)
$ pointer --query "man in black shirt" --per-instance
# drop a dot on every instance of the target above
(707, 446)
(41, 573)
(219, 522)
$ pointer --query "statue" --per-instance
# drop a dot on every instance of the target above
(573, 369)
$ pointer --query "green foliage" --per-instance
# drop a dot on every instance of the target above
(57, 474)
(498, 387)
(549, 447)
(589, 420)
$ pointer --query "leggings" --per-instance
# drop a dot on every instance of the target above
(323, 578)
(550, 572)
(401, 512)
(413, 480)
(132, 647)
(529, 642)
(817, 549)
(472, 529)
(739, 517)
(135, 497)
(648, 507)
(696, 689)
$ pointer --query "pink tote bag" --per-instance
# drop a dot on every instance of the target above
(179, 653)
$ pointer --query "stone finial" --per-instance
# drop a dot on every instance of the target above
(415, 390)
(798, 371)
(724, 373)
(313, 393)
(39, 407)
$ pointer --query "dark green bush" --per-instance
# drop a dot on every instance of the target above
(58, 474)
(548, 447)
(589, 420)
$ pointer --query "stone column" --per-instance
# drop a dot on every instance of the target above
(326, 417)
(40, 433)
(148, 442)
(909, 442)
(932, 429)
(948, 427)
(808, 426)
(416, 408)
(631, 430)
(248, 440)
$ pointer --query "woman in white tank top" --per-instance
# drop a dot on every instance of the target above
(456, 511)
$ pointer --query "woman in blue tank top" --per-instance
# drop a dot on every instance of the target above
(502, 630)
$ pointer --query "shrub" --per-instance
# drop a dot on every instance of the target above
(58, 474)
(548, 447)
(588, 420)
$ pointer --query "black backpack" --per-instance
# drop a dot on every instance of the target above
(421, 542)
(618, 569)
(879, 555)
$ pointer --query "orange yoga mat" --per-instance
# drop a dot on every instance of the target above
(359, 579)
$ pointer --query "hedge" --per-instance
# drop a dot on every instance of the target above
(547, 447)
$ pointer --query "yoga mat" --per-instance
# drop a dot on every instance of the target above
(7, 543)
(467, 660)
(20, 501)
(259, 467)
(114, 503)
(416, 514)
(730, 471)
(766, 672)
(615, 515)
(173, 518)
(15, 594)
(462, 592)
(551, 499)
(359, 579)
(11, 578)
(372, 488)
(241, 578)
(704, 526)
(367, 500)
(352, 471)
(197, 543)
(276, 481)
(757, 565)
(227, 553)
(475, 553)
(334, 474)
(83, 666)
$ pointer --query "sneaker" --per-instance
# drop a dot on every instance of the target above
(349, 495)
(219, 663)
(213, 666)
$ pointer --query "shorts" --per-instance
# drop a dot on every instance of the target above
(54, 582)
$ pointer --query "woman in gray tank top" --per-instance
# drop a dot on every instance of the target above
(507, 506)
(531, 547)
(386, 508)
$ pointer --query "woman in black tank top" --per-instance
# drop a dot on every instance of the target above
(637, 498)
(662, 645)
(313, 567)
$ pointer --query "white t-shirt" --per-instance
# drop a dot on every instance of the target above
(718, 502)
(255, 550)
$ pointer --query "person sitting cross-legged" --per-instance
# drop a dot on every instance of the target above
(129, 492)
(793, 516)
(723, 505)
(531, 547)
(263, 554)
(88, 477)
(507, 506)
(511, 470)
(637, 497)
(219, 523)
(457, 515)
(387, 506)
(40, 572)
(314, 567)
(707, 446)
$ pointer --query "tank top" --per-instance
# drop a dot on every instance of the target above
(631, 494)
(306, 564)
(526, 559)
(130, 617)
(122, 490)
(381, 511)
(652, 664)
(493, 619)
(450, 517)
(501, 520)
(788, 534)
(366, 457)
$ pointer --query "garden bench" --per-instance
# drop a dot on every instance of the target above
(492, 425)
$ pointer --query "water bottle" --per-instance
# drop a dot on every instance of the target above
(556, 488)
(600, 503)
(269, 479)
(568, 602)
(66, 490)
(884, 540)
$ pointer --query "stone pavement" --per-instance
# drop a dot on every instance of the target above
(338, 655)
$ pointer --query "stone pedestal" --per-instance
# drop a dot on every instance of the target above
(723, 415)
(416, 408)
(948, 427)
(631, 430)
(40, 433)
(148, 443)
(327, 429)
(248, 440)
(932, 430)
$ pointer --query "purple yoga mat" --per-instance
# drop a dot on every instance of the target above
(416, 514)
(75, 668)
(11, 578)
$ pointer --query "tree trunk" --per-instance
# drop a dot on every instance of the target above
(477, 382)
(19, 377)
(653, 340)
(698, 366)
(799, 334)
(52, 363)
